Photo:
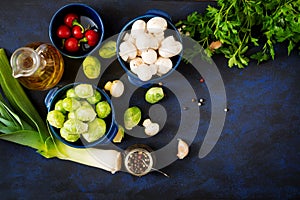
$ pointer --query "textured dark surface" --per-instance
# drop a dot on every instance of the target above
(257, 155)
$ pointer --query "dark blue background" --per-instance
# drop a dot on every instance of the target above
(257, 155)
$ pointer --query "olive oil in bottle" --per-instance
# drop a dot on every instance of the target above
(37, 66)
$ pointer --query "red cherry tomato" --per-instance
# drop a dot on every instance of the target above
(63, 32)
(77, 32)
(92, 37)
(69, 18)
(71, 44)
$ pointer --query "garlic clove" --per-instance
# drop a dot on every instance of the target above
(182, 149)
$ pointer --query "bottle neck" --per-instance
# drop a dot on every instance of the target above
(24, 62)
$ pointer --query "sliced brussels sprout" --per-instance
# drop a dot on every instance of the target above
(85, 113)
(108, 50)
(96, 129)
(84, 90)
(91, 67)
(70, 104)
(132, 117)
(75, 126)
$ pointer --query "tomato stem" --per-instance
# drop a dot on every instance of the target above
(76, 23)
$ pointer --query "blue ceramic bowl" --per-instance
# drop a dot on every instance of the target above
(171, 30)
(87, 17)
(57, 93)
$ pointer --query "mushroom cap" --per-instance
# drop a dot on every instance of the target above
(144, 72)
(134, 63)
(169, 47)
(139, 26)
(128, 37)
(117, 88)
(127, 50)
(157, 25)
(150, 127)
(149, 56)
(146, 122)
(144, 41)
(164, 65)
(153, 68)
(159, 36)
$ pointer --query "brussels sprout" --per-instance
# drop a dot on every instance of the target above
(95, 98)
(132, 117)
(56, 118)
(84, 103)
(59, 106)
(71, 93)
(91, 67)
(69, 136)
(96, 129)
(84, 90)
(71, 115)
(103, 109)
(75, 126)
(85, 113)
(154, 94)
(108, 50)
(70, 104)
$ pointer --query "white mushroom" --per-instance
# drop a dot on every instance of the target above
(153, 68)
(151, 128)
(129, 38)
(116, 88)
(139, 26)
(134, 63)
(169, 47)
(127, 50)
(143, 41)
(159, 36)
(157, 25)
(182, 149)
(149, 56)
(144, 72)
(164, 65)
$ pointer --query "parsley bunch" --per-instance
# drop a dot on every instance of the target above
(244, 29)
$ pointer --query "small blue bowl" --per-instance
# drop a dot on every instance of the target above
(87, 17)
(171, 30)
(57, 93)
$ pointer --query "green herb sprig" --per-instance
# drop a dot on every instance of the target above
(241, 25)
